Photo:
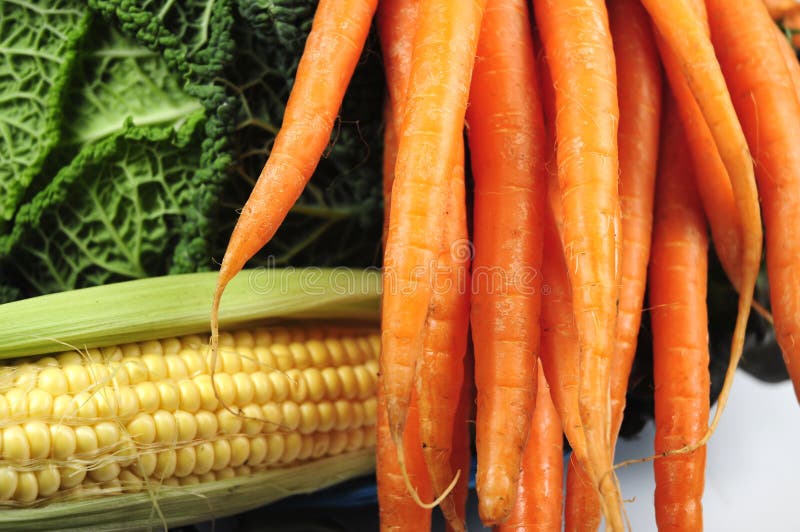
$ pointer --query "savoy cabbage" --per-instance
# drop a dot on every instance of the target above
(131, 132)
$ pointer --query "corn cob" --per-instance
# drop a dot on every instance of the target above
(141, 418)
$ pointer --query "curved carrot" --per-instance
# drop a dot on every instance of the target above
(442, 58)
(766, 102)
(541, 481)
(332, 50)
(506, 139)
(684, 34)
(396, 509)
(677, 297)
(389, 158)
(577, 41)
(559, 355)
(713, 183)
(639, 76)
(440, 372)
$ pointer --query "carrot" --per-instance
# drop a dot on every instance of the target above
(684, 34)
(560, 362)
(441, 66)
(440, 372)
(639, 75)
(582, 510)
(461, 455)
(332, 50)
(677, 296)
(506, 139)
(389, 159)
(396, 509)
(538, 505)
(779, 8)
(580, 55)
(766, 102)
(714, 186)
(559, 350)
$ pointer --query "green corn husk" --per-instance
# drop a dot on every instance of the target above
(181, 304)
(173, 306)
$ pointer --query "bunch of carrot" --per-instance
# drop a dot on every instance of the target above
(605, 139)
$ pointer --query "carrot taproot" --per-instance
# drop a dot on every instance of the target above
(397, 511)
(440, 371)
(765, 99)
(714, 186)
(639, 76)
(397, 24)
(685, 35)
(461, 455)
(677, 298)
(640, 82)
(541, 482)
(778, 8)
(334, 45)
(577, 42)
(560, 362)
(506, 139)
(441, 66)
(559, 354)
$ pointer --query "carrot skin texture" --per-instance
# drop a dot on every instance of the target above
(582, 510)
(640, 82)
(506, 138)
(541, 482)
(580, 55)
(440, 373)
(461, 456)
(443, 54)
(396, 509)
(789, 57)
(678, 281)
(333, 48)
(683, 31)
(713, 182)
(766, 103)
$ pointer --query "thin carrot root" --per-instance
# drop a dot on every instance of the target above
(413, 492)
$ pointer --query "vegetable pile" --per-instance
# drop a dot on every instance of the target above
(606, 140)
(573, 195)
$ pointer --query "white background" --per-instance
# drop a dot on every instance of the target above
(752, 465)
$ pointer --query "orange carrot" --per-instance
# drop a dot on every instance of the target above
(677, 297)
(580, 55)
(766, 102)
(441, 369)
(333, 48)
(639, 75)
(397, 510)
(441, 66)
(461, 456)
(389, 158)
(541, 481)
(560, 362)
(684, 34)
(714, 186)
(506, 139)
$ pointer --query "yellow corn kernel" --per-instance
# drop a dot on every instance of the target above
(130, 482)
(229, 422)
(63, 440)
(53, 381)
(153, 360)
(185, 461)
(15, 444)
(27, 487)
(222, 454)
(149, 399)
(244, 388)
(204, 458)
(142, 429)
(38, 435)
(85, 405)
(207, 424)
(105, 472)
(166, 427)
(258, 450)
(176, 367)
(166, 462)
(71, 476)
(169, 396)
(252, 423)
(8, 483)
(190, 395)
(186, 424)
